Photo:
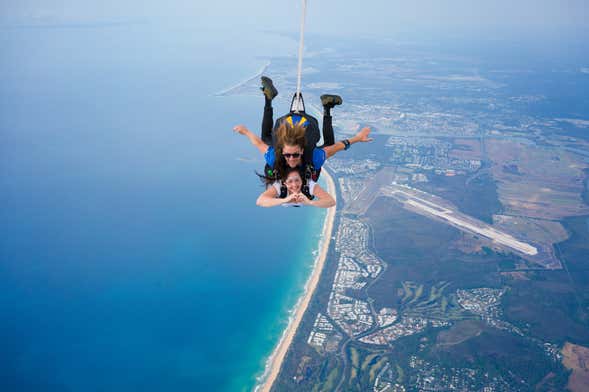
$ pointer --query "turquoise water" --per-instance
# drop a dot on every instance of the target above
(132, 256)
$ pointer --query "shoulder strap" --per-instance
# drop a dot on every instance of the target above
(310, 173)
(283, 192)
(305, 189)
(294, 119)
(271, 172)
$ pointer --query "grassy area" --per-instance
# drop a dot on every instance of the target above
(331, 380)
(367, 361)
(418, 252)
(375, 369)
(476, 196)
(354, 356)
(355, 359)
(401, 374)
(460, 332)
(536, 303)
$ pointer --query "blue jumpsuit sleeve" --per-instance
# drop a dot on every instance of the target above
(269, 157)
(319, 157)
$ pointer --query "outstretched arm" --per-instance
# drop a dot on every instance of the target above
(268, 198)
(255, 140)
(322, 198)
(362, 136)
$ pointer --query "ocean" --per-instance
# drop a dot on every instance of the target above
(132, 255)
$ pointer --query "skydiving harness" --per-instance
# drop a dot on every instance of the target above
(311, 138)
(308, 172)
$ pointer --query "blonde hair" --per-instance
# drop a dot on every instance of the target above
(289, 135)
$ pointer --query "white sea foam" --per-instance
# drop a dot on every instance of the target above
(260, 380)
(325, 235)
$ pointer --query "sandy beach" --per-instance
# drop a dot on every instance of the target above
(280, 351)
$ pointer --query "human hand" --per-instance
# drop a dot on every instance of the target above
(292, 198)
(363, 135)
(303, 199)
(241, 129)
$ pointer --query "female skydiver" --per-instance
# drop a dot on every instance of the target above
(282, 152)
(290, 192)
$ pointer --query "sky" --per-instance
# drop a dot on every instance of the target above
(366, 17)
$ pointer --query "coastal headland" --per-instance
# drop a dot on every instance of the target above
(277, 357)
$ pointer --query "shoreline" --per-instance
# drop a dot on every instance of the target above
(245, 81)
(277, 357)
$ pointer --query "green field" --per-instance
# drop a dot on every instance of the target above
(419, 254)
(473, 195)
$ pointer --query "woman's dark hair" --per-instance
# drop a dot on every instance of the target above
(286, 135)
(289, 170)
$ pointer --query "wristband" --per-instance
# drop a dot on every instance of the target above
(346, 144)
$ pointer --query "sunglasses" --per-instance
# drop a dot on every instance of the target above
(295, 155)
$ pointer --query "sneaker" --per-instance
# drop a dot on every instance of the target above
(329, 101)
(268, 88)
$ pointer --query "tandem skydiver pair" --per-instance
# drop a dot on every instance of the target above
(293, 159)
